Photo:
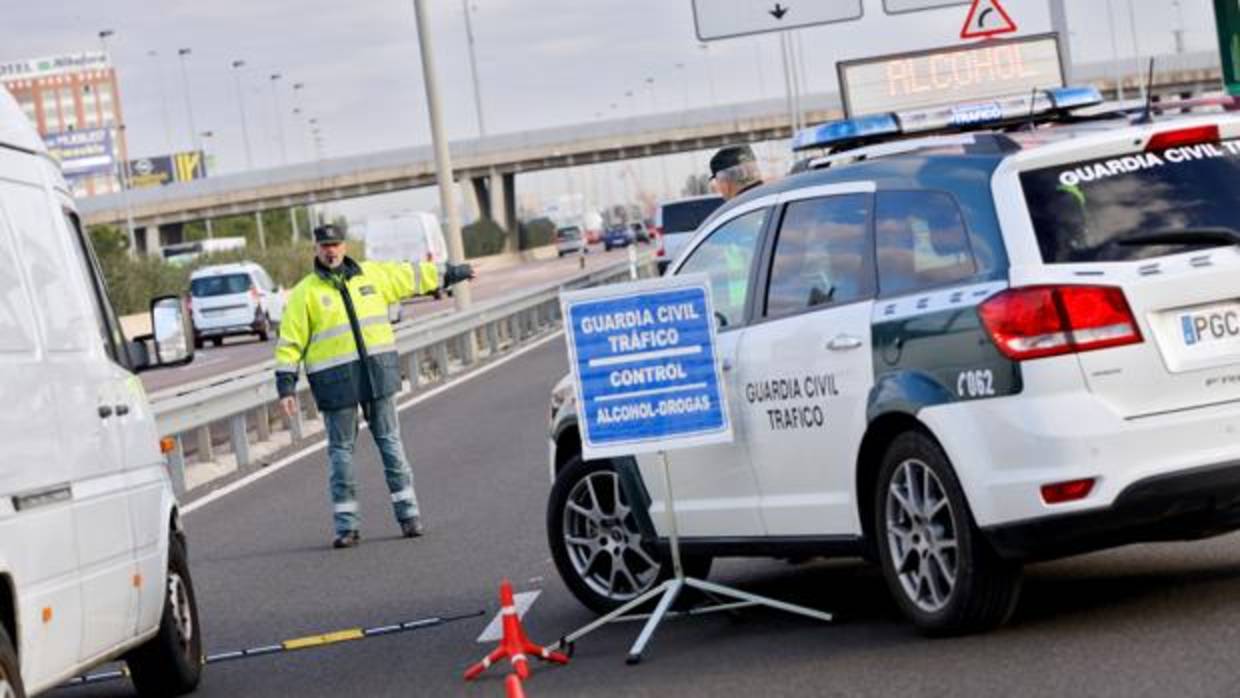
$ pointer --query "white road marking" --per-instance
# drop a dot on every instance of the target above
(494, 631)
(285, 462)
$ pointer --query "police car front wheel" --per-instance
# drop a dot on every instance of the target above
(595, 540)
(944, 575)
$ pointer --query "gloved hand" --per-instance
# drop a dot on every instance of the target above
(455, 273)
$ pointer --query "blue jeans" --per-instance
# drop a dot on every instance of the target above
(341, 438)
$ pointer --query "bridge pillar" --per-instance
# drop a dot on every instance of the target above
(262, 233)
(499, 209)
(511, 225)
(482, 195)
(292, 214)
(469, 199)
(210, 232)
(150, 237)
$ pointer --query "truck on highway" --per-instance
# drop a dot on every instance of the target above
(93, 560)
(405, 237)
(182, 253)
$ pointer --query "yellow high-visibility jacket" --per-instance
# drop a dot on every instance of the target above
(336, 323)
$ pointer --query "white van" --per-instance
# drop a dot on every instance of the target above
(92, 555)
(405, 237)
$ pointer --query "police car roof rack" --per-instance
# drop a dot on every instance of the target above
(1043, 106)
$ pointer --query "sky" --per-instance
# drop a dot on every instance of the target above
(541, 63)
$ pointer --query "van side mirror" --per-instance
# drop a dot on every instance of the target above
(170, 342)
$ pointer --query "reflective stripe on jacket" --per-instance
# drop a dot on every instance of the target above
(336, 323)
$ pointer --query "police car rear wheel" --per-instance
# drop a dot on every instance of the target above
(595, 540)
(944, 575)
(10, 676)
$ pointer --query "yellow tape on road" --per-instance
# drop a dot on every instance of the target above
(302, 643)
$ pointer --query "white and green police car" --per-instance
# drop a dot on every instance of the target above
(965, 339)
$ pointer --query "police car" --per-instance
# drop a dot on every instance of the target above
(962, 339)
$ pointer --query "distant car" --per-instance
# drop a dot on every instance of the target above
(569, 240)
(593, 236)
(640, 232)
(233, 299)
(619, 236)
(675, 222)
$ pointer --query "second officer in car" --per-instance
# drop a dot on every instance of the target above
(336, 323)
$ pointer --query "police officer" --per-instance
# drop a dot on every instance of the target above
(336, 322)
(734, 170)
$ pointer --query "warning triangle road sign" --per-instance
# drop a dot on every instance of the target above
(987, 18)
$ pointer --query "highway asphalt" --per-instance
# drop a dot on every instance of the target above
(240, 352)
(1139, 621)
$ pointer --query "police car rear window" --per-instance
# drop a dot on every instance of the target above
(1084, 211)
(207, 286)
(686, 216)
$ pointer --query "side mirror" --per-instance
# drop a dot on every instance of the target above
(170, 342)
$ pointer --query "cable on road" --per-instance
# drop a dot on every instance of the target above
(296, 644)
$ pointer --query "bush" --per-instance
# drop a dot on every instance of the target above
(537, 232)
(482, 238)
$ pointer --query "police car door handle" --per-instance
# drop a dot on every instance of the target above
(726, 364)
(844, 342)
(105, 411)
(122, 410)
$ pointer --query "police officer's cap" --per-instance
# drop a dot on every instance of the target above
(729, 157)
(328, 234)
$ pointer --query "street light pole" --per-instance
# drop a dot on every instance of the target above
(297, 110)
(245, 131)
(443, 159)
(124, 159)
(163, 100)
(1136, 47)
(710, 73)
(654, 109)
(279, 116)
(206, 136)
(189, 103)
(473, 68)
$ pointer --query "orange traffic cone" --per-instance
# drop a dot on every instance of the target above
(512, 685)
(515, 645)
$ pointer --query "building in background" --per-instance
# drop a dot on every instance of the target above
(74, 101)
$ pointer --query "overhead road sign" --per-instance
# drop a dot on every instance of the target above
(987, 19)
(726, 19)
(645, 368)
(899, 7)
(954, 75)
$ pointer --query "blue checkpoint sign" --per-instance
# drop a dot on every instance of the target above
(645, 368)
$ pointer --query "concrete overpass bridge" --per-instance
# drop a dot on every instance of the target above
(487, 167)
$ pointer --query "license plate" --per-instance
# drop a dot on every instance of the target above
(1210, 326)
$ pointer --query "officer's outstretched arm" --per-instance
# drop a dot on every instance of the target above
(291, 347)
(454, 274)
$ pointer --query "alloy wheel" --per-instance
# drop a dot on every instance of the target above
(603, 541)
(921, 536)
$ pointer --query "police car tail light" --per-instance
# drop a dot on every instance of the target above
(1182, 137)
(1070, 491)
(1039, 321)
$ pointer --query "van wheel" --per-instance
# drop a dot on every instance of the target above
(10, 670)
(264, 330)
(170, 664)
(595, 542)
(198, 343)
(217, 341)
(944, 575)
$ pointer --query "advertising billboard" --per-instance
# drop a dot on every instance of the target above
(167, 169)
(83, 153)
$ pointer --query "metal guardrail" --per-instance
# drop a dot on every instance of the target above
(430, 350)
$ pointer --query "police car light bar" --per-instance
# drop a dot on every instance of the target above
(956, 117)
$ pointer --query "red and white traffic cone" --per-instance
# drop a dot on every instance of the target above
(515, 645)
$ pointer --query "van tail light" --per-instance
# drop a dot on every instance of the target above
(1181, 137)
(1070, 491)
(254, 294)
(1039, 321)
(167, 445)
